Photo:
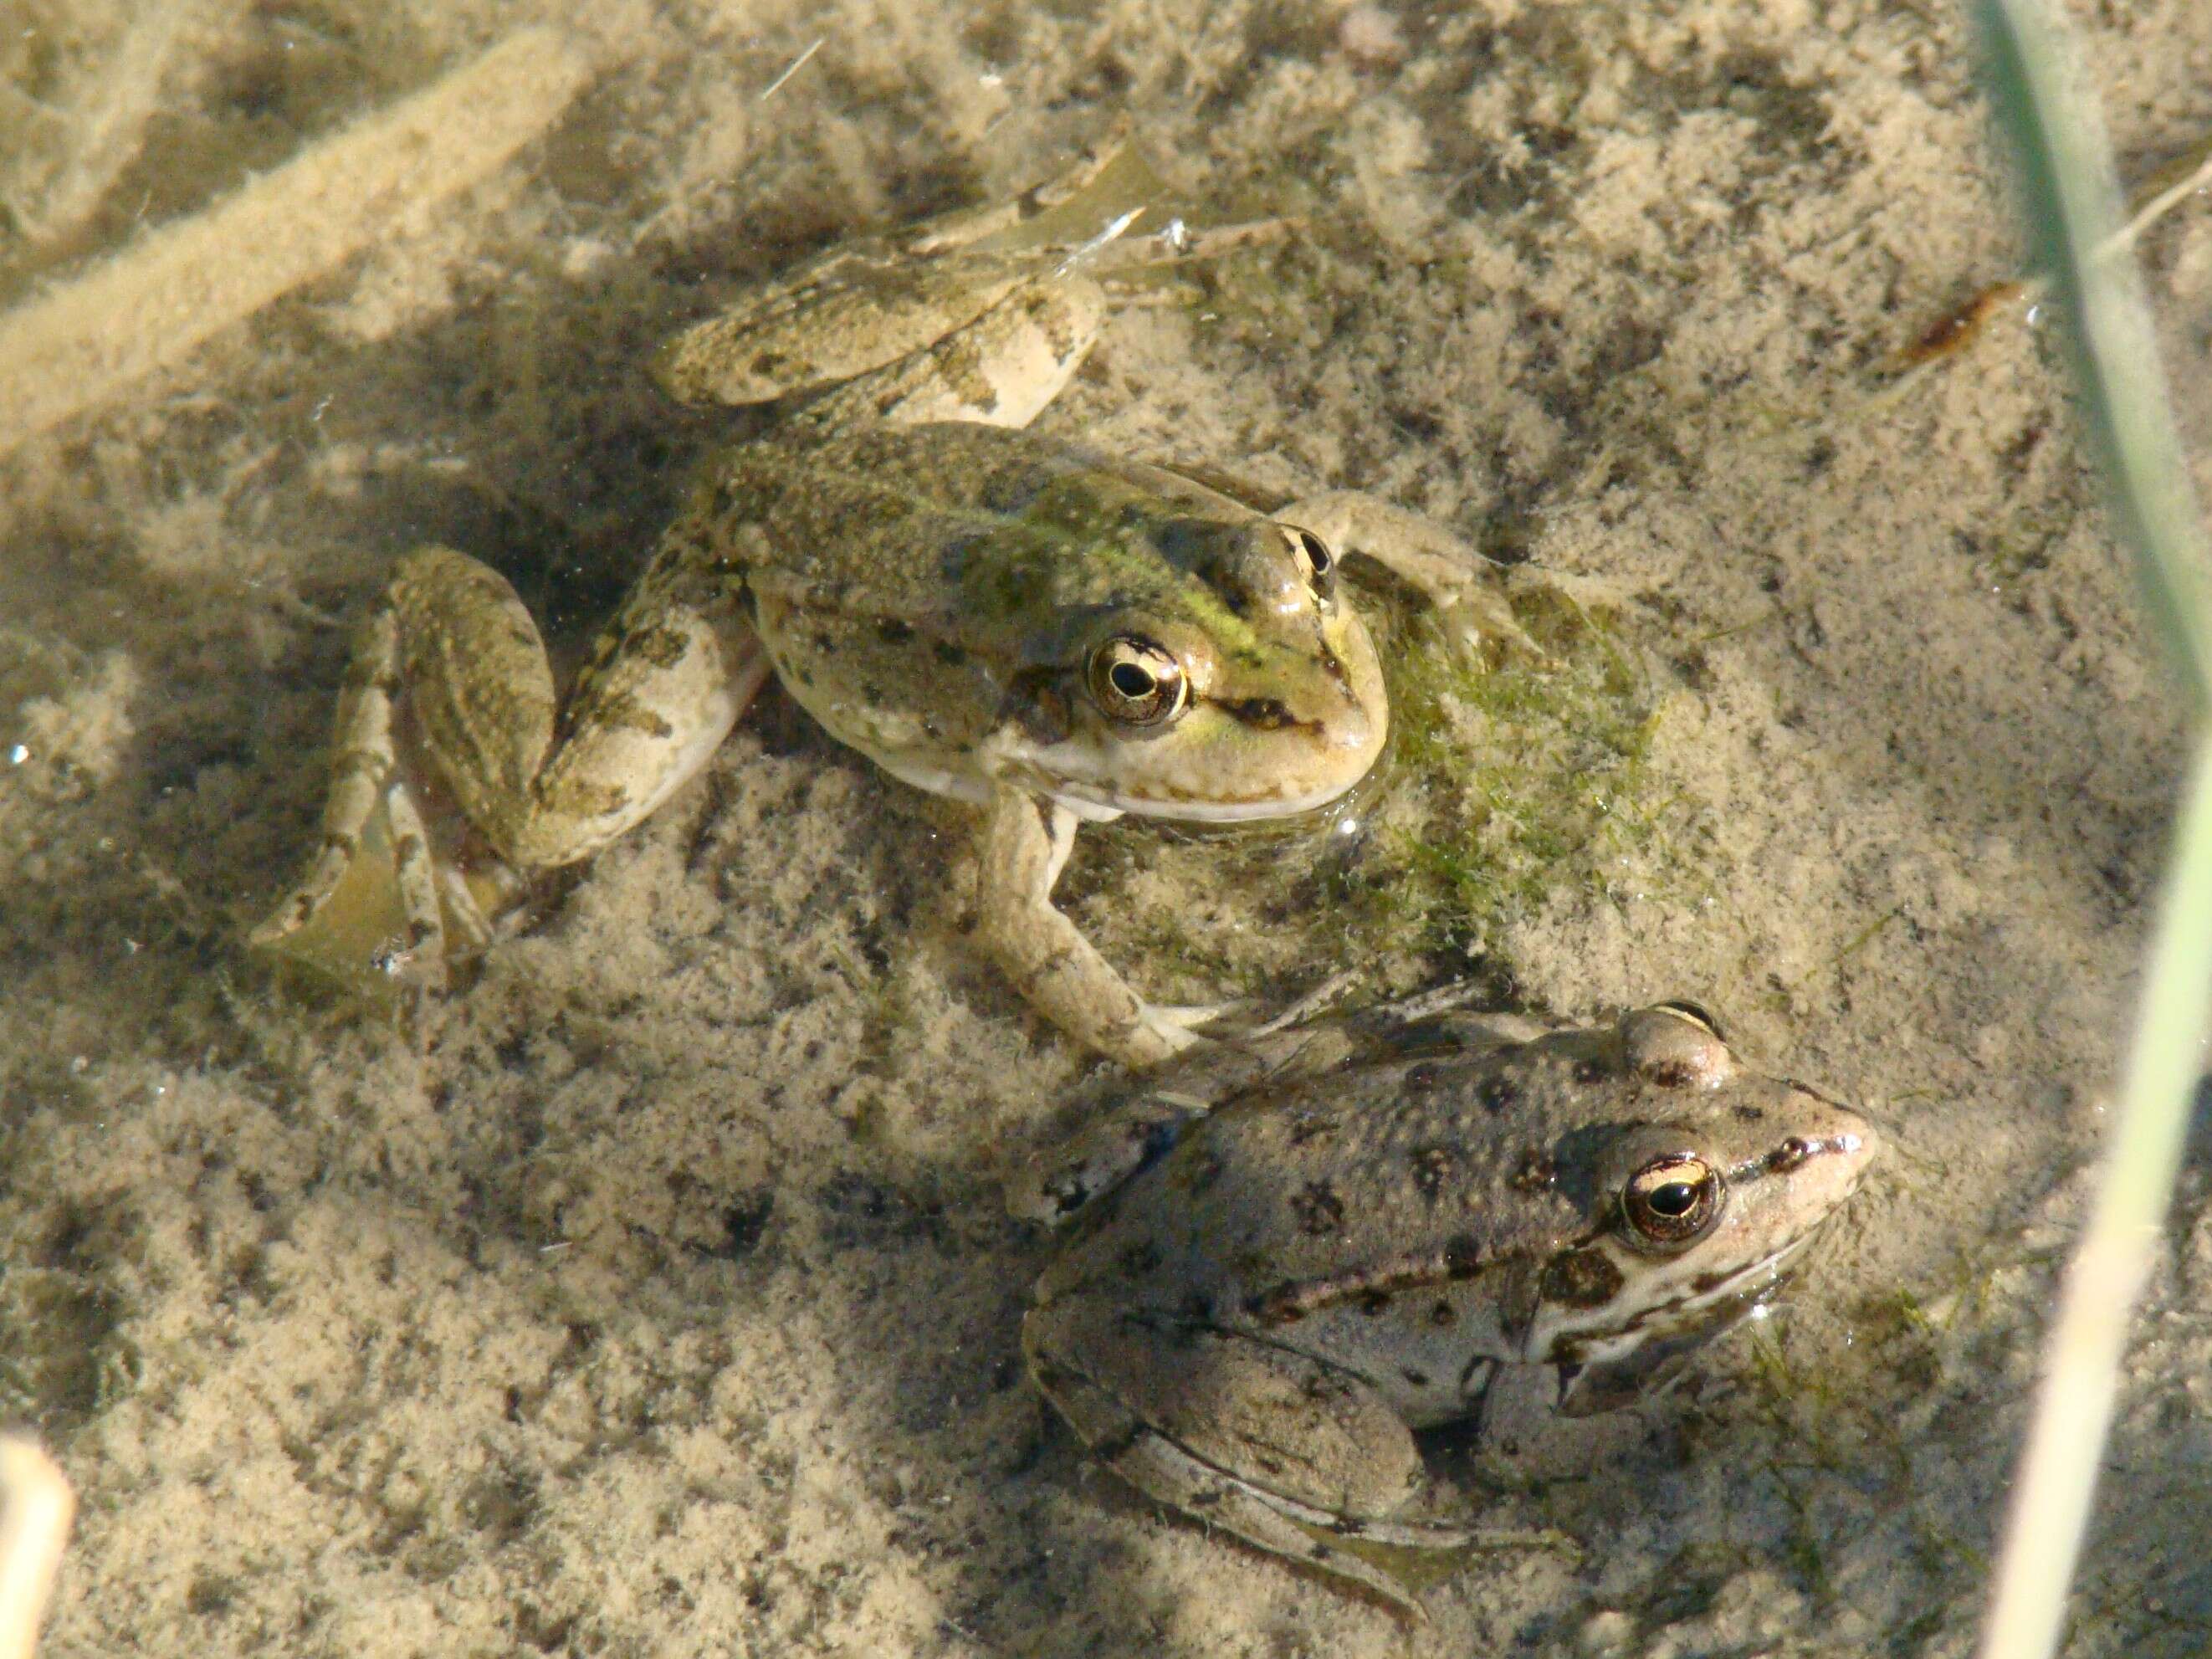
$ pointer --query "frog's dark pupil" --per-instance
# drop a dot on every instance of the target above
(1130, 680)
(1676, 1198)
(1317, 551)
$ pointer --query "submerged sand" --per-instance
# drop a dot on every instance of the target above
(663, 1302)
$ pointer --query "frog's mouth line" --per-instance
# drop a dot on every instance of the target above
(1197, 809)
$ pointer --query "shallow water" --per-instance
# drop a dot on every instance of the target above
(664, 1301)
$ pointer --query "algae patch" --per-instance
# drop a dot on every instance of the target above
(1519, 779)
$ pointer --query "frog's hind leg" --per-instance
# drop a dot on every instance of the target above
(1157, 1466)
(999, 370)
(367, 777)
(363, 762)
(1296, 1456)
(452, 647)
(866, 304)
(963, 227)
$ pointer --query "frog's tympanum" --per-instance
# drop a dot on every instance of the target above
(1050, 632)
(1294, 1252)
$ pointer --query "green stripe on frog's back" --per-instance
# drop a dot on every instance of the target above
(1025, 535)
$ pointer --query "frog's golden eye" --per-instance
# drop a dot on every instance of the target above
(1137, 682)
(1672, 1199)
(1695, 1015)
(1321, 563)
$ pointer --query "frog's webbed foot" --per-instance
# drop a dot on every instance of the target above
(1195, 1016)
(451, 653)
(1026, 844)
(1467, 589)
(371, 820)
(1307, 1006)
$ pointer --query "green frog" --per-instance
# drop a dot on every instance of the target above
(1295, 1251)
(1054, 634)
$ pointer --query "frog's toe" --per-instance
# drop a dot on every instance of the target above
(1483, 628)
(1179, 1027)
(1190, 1016)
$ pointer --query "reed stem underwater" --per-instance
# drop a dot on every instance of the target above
(2073, 213)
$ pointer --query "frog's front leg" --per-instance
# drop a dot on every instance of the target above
(1026, 842)
(452, 649)
(1107, 1150)
(1298, 1457)
(1466, 587)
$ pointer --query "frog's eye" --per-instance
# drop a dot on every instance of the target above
(1321, 563)
(1695, 1015)
(1137, 682)
(1672, 1199)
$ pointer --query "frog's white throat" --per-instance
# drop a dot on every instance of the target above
(1664, 1299)
(1098, 801)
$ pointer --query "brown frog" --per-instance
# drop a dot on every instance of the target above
(1296, 1252)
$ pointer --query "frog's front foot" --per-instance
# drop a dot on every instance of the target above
(1026, 843)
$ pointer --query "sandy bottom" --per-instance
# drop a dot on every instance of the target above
(664, 1301)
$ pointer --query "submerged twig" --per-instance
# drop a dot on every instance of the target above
(1964, 323)
(790, 70)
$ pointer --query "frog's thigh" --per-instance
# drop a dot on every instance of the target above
(999, 370)
(1289, 1426)
(1290, 1455)
(665, 682)
(365, 773)
(1045, 955)
(860, 307)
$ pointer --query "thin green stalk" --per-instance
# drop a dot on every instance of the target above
(2074, 1405)
(2074, 213)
